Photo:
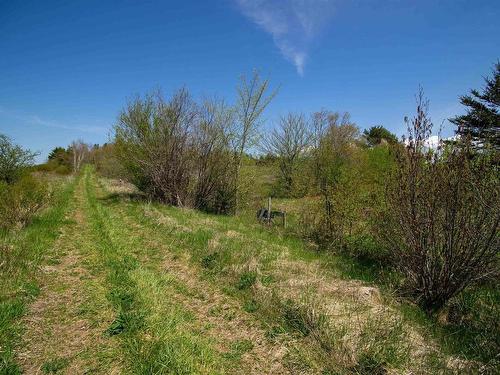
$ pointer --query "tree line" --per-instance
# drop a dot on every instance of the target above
(431, 213)
(190, 154)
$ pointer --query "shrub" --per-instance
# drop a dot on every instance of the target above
(154, 142)
(443, 217)
(53, 166)
(346, 217)
(63, 170)
(106, 162)
(13, 160)
(20, 201)
(188, 154)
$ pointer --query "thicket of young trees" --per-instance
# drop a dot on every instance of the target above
(443, 214)
(431, 213)
(190, 154)
(21, 195)
(325, 155)
(66, 160)
(289, 144)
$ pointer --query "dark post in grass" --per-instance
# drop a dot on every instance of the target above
(269, 212)
(266, 214)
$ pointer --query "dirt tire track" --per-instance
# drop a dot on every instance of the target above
(55, 327)
(204, 299)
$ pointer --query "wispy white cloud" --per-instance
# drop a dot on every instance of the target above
(82, 128)
(293, 24)
(36, 120)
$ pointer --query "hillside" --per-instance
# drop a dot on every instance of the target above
(303, 187)
(133, 287)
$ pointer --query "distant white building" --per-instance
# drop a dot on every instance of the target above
(433, 142)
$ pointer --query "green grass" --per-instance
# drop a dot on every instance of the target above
(261, 244)
(54, 366)
(154, 318)
(155, 334)
(235, 254)
(238, 348)
(21, 253)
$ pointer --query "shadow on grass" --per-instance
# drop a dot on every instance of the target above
(114, 198)
(472, 319)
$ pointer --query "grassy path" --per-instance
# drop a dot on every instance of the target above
(237, 334)
(138, 288)
(305, 317)
(115, 301)
(22, 253)
(60, 333)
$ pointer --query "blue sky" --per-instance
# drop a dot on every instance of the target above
(68, 67)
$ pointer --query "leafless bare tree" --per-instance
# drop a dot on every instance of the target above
(213, 157)
(183, 153)
(289, 142)
(253, 98)
(80, 151)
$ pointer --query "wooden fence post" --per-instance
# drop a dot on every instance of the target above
(269, 210)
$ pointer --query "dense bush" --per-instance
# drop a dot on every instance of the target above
(52, 166)
(154, 143)
(13, 160)
(331, 158)
(106, 162)
(67, 160)
(21, 195)
(350, 178)
(189, 154)
(442, 222)
(59, 161)
(20, 201)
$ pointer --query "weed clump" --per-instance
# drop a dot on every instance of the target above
(210, 261)
(302, 318)
(247, 279)
(21, 201)
(55, 365)
(251, 306)
(362, 344)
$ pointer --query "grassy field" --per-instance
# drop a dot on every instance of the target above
(105, 282)
(22, 254)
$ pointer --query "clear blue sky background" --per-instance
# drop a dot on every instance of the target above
(68, 67)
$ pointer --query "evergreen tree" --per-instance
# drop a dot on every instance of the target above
(56, 153)
(482, 120)
(60, 156)
(376, 134)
